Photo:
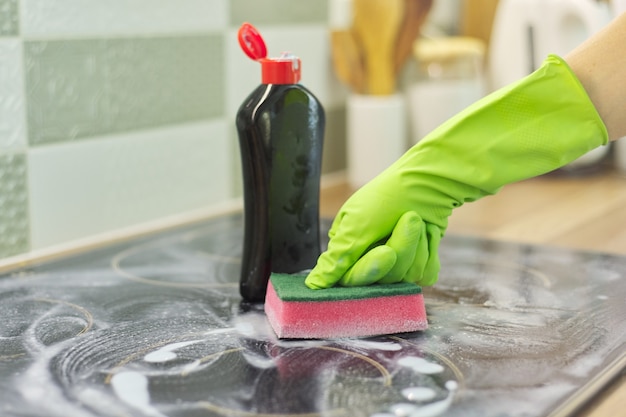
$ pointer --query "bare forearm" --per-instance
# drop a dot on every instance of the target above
(600, 65)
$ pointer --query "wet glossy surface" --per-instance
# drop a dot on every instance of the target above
(156, 327)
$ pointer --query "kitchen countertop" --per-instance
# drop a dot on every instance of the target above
(584, 212)
(153, 324)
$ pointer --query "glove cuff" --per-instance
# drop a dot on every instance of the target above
(538, 124)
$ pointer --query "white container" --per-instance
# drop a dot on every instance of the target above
(526, 31)
(434, 102)
(376, 135)
(449, 77)
(619, 6)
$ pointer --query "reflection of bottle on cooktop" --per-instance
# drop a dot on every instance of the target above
(281, 128)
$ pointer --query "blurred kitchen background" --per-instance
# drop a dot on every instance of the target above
(118, 116)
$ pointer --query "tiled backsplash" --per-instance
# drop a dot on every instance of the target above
(14, 225)
(117, 113)
(8, 17)
(91, 87)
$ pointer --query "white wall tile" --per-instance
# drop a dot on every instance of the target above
(85, 188)
(309, 42)
(12, 111)
(46, 18)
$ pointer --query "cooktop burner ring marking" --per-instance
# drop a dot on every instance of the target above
(189, 236)
(184, 238)
(86, 313)
(384, 372)
(11, 357)
(213, 355)
(455, 370)
(144, 351)
(241, 413)
(115, 265)
(222, 258)
(386, 375)
(336, 412)
(82, 310)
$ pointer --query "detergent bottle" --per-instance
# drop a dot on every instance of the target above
(281, 130)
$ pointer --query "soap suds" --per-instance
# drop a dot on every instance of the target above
(419, 394)
(420, 365)
(417, 408)
(132, 388)
(166, 353)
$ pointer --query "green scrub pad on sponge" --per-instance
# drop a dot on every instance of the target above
(298, 312)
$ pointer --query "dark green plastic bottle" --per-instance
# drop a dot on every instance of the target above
(281, 131)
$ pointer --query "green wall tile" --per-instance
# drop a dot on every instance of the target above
(14, 225)
(81, 88)
(9, 25)
(271, 12)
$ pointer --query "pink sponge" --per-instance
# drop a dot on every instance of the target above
(297, 312)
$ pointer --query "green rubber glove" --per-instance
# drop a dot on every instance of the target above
(390, 229)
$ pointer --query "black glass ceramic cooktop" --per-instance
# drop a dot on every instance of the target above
(156, 327)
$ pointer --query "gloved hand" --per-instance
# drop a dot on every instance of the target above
(390, 229)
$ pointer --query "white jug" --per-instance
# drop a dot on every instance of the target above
(525, 31)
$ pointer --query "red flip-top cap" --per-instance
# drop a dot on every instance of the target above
(285, 69)
(282, 70)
